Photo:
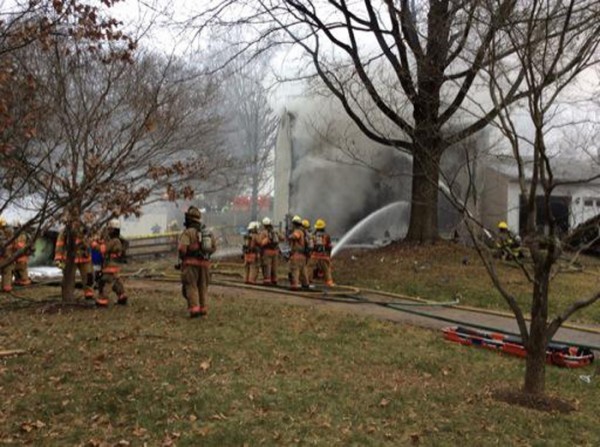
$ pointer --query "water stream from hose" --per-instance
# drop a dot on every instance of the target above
(391, 221)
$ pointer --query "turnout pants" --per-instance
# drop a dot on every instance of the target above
(298, 271)
(111, 281)
(324, 265)
(270, 260)
(7, 274)
(195, 280)
(87, 278)
(22, 274)
(251, 265)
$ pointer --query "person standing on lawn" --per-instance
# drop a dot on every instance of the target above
(196, 245)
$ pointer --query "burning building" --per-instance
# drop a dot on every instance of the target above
(326, 168)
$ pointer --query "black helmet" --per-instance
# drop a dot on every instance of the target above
(193, 214)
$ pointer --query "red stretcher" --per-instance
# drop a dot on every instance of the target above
(556, 353)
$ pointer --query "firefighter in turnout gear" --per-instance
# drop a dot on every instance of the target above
(508, 244)
(196, 245)
(82, 256)
(321, 254)
(308, 248)
(251, 250)
(298, 246)
(112, 250)
(269, 242)
(22, 261)
(6, 251)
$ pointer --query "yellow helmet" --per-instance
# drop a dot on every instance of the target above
(320, 224)
(502, 225)
(297, 219)
(306, 223)
(2, 222)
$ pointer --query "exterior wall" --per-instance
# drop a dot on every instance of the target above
(513, 206)
(585, 204)
(494, 200)
(143, 225)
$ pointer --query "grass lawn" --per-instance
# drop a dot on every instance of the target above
(438, 273)
(258, 372)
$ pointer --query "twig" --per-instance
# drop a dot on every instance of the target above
(11, 352)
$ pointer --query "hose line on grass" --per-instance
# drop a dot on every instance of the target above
(401, 307)
(456, 304)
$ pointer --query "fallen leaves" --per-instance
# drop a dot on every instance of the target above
(205, 365)
(384, 402)
(27, 427)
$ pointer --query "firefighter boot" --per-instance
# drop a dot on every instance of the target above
(102, 301)
(195, 312)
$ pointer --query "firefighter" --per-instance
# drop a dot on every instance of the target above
(112, 249)
(508, 244)
(269, 242)
(82, 256)
(196, 245)
(321, 253)
(96, 243)
(251, 251)
(308, 247)
(22, 262)
(297, 241)
(6, 251)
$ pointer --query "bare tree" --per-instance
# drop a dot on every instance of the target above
(252, 124)
(41, 22)
(558, 41)
(406, 72)
(118, 135)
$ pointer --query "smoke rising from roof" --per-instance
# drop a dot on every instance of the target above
(336, 173)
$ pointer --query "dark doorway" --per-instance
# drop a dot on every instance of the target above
(559, 206)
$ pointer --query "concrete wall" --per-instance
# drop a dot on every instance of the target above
(493, 200)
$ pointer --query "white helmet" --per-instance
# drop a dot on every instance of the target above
(266, 221)
(114, 223)
(253, 226)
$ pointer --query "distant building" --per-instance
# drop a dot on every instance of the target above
(244, 203)
(572, 203)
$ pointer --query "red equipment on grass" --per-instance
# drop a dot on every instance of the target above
(556, 353)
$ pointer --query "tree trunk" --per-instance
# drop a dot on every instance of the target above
(254, 197)
(68, 280)
(423, 226)
(535, 367)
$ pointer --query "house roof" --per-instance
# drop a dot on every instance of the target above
(564, 169)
